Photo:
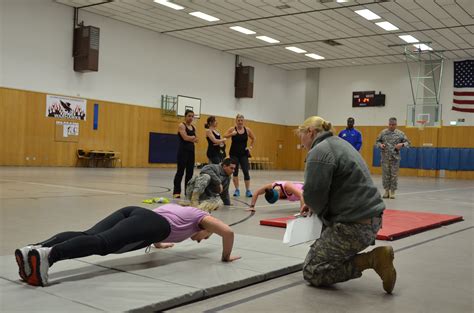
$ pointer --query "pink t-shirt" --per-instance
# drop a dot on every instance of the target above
(289, 197)
(184, 220)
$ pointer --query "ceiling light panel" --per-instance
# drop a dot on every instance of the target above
(243, 30)
(296, 49)
(169, 4)
(408, 38)
(268, 39)
(204, 16)
(314, 56)
(387, 26)
(423, 47)
(367, 14)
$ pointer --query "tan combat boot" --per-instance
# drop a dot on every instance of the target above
(386, 195)
(381, 260)
(392, 194)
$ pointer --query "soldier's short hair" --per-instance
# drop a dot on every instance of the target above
(392, 119)
(228, 161)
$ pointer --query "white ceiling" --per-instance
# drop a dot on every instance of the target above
(448, 24)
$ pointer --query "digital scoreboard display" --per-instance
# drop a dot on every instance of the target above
(367, 99)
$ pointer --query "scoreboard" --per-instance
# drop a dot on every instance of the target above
(367, 99)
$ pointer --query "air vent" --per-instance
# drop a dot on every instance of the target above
(283, 6)
(332, 42)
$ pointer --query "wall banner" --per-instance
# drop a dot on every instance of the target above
(66, 107)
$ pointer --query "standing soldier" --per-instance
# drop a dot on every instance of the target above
(391, 140)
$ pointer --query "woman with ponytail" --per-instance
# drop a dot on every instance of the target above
(215, 144)
(339, 190)
(127, 229)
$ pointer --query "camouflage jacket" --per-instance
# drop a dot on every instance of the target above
(390, 139)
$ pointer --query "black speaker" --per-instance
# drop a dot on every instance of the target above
(86, 49)
(244, 81)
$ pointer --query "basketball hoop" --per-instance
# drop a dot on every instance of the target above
(421, 124)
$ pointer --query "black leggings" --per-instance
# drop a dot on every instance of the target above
(185, 162)
(130, 228)
(214, 159)
(243, 160)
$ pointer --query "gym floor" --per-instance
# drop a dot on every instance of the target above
(435, 268)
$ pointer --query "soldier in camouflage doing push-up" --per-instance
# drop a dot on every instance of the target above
(210, 189)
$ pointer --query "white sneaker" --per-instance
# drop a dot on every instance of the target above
(21, 257)
(38, 260)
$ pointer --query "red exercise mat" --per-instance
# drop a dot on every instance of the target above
(396, 223)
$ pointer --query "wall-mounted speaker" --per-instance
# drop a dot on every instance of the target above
(244, 81)
(86, 49)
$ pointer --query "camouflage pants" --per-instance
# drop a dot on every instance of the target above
(199, 184)
(329, 259)
(390, 169)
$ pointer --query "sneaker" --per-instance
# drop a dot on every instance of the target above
(237, 193)
(248, 194)
(38, 260)
(21, 257)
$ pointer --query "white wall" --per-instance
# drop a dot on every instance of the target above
(337, 84)
(136, 66)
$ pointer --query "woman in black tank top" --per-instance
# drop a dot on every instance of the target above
(185, 158)
(215, 145)
(240, 152)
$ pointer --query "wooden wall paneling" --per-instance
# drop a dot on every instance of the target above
(27, 132)
(13, 123)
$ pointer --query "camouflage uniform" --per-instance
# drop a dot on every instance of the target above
(391, 156)
(329, 259)
(335, 178)
(207, 185)
(199, 184)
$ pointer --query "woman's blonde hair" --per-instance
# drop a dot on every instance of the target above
(239, 116)
(209, 206)
(317, 123)
(206, 206)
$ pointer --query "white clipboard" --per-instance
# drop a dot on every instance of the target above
(302, 229)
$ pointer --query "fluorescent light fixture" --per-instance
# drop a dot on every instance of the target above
(204, 16)
(268, 39)
(367, 14)
(314, 56)
(453, 123)
(342, 1)
(387, 26)
(408, 38)
(243, 30)
(169, 4)
(422, 46)
(296, 49)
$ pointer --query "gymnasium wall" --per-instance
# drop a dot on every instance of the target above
(136, 65)
(27, 136)
(337, 85)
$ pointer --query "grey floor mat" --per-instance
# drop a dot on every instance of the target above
(158, 280)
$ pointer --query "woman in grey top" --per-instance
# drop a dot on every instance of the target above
(339, 189)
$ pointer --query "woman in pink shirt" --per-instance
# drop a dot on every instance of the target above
(128, 229)
(291, 191)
